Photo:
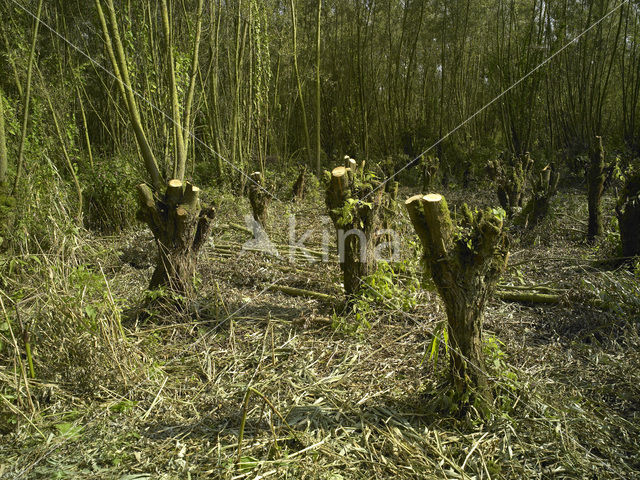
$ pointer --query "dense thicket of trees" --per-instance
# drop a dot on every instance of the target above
(306, 81)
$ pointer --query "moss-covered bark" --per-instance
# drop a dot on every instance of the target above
(628, 213)
(538, 205)
(180, 227)
(510, 175)
(300, 185)
(430, 168)
(259, 198)
(465, 263)
(354, 203)
(596, 176)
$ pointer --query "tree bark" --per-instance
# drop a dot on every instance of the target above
(299, 187)
(259, 198)
(318, 112)
(180, 227)
(430, 167)
(354, 207)
(4, 163)
(628, 213)
(538, 205)
(26, 100)
(465, 269)
(595, 187)
(511, 175)
(294, 33)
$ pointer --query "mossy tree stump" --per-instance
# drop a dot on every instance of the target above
(538, 205)
(465, 263)
(430, 167)
(354, 204)
(180, 227)
(259, 198)
(511, 174)
(596, 177)
(300, 185)
(628, 213)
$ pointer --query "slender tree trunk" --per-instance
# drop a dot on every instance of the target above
(4, 164)
(26, 100)
(65, 152)
(121, 73)
(85, 127)
(318, 112)
(7, 202)
(294, 32)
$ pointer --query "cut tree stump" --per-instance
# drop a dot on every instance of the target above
(511, 174)
(259, 198)
(354, 207)
(300, 185)
(628, 213)
(180, 227)
(596, 176)
(538, 205)
(465, 263)
(430, 167)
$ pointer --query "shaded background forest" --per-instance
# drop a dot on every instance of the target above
(372, 79)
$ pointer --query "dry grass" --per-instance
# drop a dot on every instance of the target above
(119, 396)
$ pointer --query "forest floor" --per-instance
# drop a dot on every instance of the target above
(262, 384)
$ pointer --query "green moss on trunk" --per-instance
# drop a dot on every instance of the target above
(465, 263)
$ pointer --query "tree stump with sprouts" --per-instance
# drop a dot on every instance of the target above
(259, 198)
(511, 175)
(180, 227)
(354, 204)
(465, 263)
(596, 177)
(430, 167)
(300, 185)
(628, 213)
(538, 205)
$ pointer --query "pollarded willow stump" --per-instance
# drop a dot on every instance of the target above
(538, 205)
(259, 198)
(354, 202)
(430, 167)
(628, 213)
(465, 263)
(180, 227)
(596, 177)
(511, 175)
(300, 186)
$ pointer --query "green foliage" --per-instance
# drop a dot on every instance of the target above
(507, 381)
(387, 289)
(110, 193)
(440, 337)
(346, 214)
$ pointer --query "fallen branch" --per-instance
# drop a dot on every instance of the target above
(527, 297)
(529, 288)
(299, 292)
(296, 250)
